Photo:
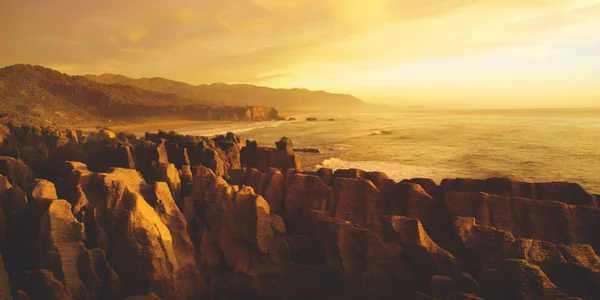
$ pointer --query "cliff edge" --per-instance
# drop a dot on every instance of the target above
(109, 215)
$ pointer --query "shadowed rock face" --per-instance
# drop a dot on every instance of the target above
(5, 292)
(568, 193)
(201, 218)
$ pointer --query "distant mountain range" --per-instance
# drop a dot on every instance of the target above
(238, 94)
(43, 95)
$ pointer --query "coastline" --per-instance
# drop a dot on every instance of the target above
(258, 200)
(153, 125)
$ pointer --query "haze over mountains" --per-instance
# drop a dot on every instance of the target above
(42, 94)
(238, 94)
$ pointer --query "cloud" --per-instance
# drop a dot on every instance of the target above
(285, 42)
(139, 51)
(134, 35)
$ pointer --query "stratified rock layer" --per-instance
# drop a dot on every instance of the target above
(168, 216)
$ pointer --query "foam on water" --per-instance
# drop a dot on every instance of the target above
(382, 132)
(530, 147)
(395, 171)
(235, 128)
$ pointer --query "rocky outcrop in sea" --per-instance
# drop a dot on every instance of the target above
(111, 216)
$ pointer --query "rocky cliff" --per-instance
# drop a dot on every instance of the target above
(45, 96)
(165, 216)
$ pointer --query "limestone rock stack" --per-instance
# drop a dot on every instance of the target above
(167, 216)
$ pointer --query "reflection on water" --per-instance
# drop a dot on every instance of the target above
(528, 146)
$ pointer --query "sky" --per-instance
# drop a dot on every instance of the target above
(429, 53)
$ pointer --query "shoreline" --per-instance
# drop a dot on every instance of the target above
(154, 126)
(259, 201)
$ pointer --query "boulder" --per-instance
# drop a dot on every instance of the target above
(15, 171)
(5, 290)
(568, 193)
(442, 286)
(213, 161)
(187, 180)
(21, 295)
(380, 180)
(230, 155)
(4, 184)
(517, 279)
(285, 145)
(122, 157)
(169, 174)
(420, 250)
(357, 201)
(177, 155)
(304, 193)
(370, 268)
(351, 173)
(79, 202)
(250, 155)
(257, 180)
(411, 200)
(149, 152)
(141, 248)
(13, 201)
(326, 175)
(76, 174)
(43, 192)
(237, 177)
(61, 238)
(107, 134)
(216, 197)
(184, 250)
(525, 218)
(482, 244)
(41, 284)
(274, 192)
(253, 216)
(427, 184)
(111, 285)
(581, 254)
(186, 175)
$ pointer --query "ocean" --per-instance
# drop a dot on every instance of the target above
(534, 146)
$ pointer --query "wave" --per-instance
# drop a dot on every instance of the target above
(235, 128)
(382, 132)
(394, 170)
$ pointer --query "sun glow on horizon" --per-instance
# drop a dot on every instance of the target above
(539, 53)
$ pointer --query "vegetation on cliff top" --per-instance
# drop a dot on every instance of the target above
(238, 94)
(35, 94)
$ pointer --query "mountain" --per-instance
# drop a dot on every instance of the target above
(38, 93)
(239, 94)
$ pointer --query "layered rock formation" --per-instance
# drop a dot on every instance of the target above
(166, 216)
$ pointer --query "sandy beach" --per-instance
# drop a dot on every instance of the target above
(152, 125)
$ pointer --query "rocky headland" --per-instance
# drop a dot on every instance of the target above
(109, 215)
(38, 95)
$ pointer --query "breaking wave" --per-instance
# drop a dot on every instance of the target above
(382, 132)
(394, 170)
(236, 128)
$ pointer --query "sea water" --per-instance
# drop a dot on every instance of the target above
(535, 146)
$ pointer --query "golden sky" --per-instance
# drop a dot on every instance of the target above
(451, 53)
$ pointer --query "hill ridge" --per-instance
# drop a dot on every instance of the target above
(38, 93)
(238, 93)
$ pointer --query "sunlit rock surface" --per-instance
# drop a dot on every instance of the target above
(166, 216)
